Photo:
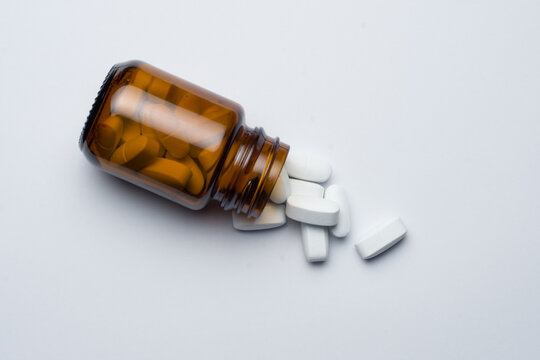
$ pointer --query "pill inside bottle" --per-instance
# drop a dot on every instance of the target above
(180, 141)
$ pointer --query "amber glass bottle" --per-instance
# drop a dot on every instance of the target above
(180, 141)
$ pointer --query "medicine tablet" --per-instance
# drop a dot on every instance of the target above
(137, 152)
(191, 102)
(208, 159)
(315, 239)
(337, 193)
(169, 172)
(312, 210)
(306, 188)
(108, 135)
(196, 182)
(153, 116)
(282, 189)
(272, 216)
(127, 101)
(308, 167)
(159, 88)
(381, 239)
(218, 113)
(142, 79)
(176, 147)
(132, 129)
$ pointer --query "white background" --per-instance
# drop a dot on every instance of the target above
(428, 110)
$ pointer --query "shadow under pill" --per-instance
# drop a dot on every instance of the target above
(388, 251)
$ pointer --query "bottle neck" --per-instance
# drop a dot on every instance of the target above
(250, 171)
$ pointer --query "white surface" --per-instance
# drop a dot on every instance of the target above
(381, 238)
(312, 210)
(427, 110)
(308, 167)
(271, 217)
(336, 193)
(315, 240)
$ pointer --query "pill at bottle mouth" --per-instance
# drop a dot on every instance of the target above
(282, 188)
(306, 188)
(381, 239)
(337, 194)
(315, 240)
(272, 216)
(308, 167)
(311, 210)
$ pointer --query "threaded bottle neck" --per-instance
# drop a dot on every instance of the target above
(250, 171)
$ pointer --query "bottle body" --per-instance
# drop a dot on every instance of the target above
(180, 141)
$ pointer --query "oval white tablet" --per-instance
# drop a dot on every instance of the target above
(282, 189)
(315, 239)
(308, 167)
(381, 239)
(306, 188)
(312, 210)
(272, 216)
(337, 193)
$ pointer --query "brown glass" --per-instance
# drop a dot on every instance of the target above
(180, 141)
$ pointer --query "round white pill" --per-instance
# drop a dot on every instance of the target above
(312, 210)
(282, 189)
(337, 193)
(308, 167)
(272, 216)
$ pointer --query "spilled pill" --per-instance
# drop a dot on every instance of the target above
(306, 188)
(308, 167)
(282, 189)
(272, 216)
(337, 194)
(381, 239)
(312, 210)
(315, 240)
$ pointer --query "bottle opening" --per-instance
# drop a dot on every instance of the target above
(250, 171)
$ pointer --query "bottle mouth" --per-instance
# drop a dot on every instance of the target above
(246, 183)
(96, 107)
(274, 164)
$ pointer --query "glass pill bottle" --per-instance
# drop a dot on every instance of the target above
(180, 141)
